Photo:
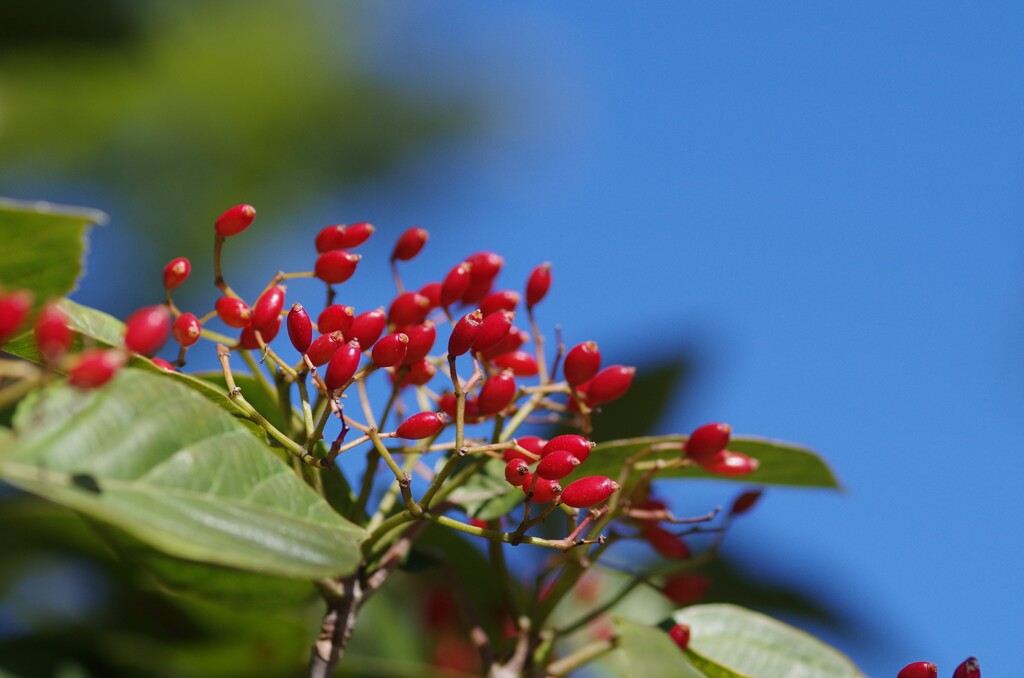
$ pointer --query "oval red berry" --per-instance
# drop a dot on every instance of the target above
(233, 312)
(249, 341)
(342, 365)
(557, 465)
(576, 445)
(367, 327)
(919, 670)
(408, 308)
(609, 384)
(335, 266)
(146, 330)
(686, 588)
(409, 244)
(422, 425)
(581, 363)
(589, 491)
(300, 328)
(497, 393)
(235, 220)
(94, 367)
(52, 334)
(538, 284)
(464, 333)
(390, 349)
(336, 318)
(680, 635)
(186, 329)
(176, 272)
(323, 347)
(706, 441)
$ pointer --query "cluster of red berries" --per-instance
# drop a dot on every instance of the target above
(969, 668)
(553, 460)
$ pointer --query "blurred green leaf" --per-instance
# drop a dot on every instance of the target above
(781, 463)
(727, 641)
(650, 653)
(646, 402)
(487, 495)
(43, 246)
(156, 460)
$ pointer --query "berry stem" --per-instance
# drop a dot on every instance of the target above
(307, 411)
(257, 373)
(372, 463)
(387, 502)
(449, 467)
(538, 340)
(18, 390)
(398, 278)
(584, 655)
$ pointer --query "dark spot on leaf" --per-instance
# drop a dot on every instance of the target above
(84, 481)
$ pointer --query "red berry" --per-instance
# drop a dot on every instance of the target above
(335, 266)
(464, 333)
(969, 668)
(478, 289)
(337, 318)
(542, 491)
(494, 328)
(502, 300)
(390, 349)
(537, 284)
(664, 542)
(323, 347)
(731, 464)
(163, 364)
(422, 425)
(449, 405)
(248, 339)
(485, 266)
(576, 445)
(521, 363)
(409, 244)
(267, 308)
(686, 588)
(419, 374)
(368, 326)
(186, 329)
(53, 336)
(176, 272)
(341, 237)
(342, 365)
(744, 502)
(14, 308)
(919, 670)
(497, 393)
(512, 341)
(233, 312)
(581, 363)
(94, 367)
(589, 491)
(516, 472)
(609, 384)
(432, 291)
(300, 328)
(358, 233)
(235, 220)
(680, 635)
(707, 441)
(147, 329)
(421, 341)
(455, 284)
(557, 465)
(408, 308)
(532, 444)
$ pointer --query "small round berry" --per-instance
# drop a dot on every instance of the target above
(14, 308)
(557, 465)
(418, 374)
(589, 491)
(516, 471)
(532, 444)
(235, 220)
(147, 330)
(512, 342)
(706, 441)
(336, 318)
(494, 328)
(731, 464)
(421, 341)
(464, 333)
(300, 328)
(233, 312)
(485, 266)
(502, 300)
(186, 329)
(686, 588)
(538, 284)
(335, 266)
(94, 367)
(969, 668)
(455, 284)
(581, 363)
(163, 364)
(919, 670)
(248, 339)
(267, 308)
(680, 635)
(343, 365)
(745, 502)
(390, 349)
(368, 326)
(341, 237)
(576, 445)
(664, 542)
(358, 233)
(497, 393)
(408, 308)
(409, 244)
(176, 272)
(542, 491)
(432, 291)
(609, 384)
(53, 336)
(521, 363)
(421, 425)
(323, 347)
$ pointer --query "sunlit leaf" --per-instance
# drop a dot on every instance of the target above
(650, 653)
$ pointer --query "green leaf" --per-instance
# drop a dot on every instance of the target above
(650, 653)
(486, 494)
(153, 458)
(646, 402)
(726, 640)
(43, 246)
(781, 463)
